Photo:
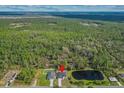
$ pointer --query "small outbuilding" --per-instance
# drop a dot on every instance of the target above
(113, 79)
(51, 76)
(121, 76)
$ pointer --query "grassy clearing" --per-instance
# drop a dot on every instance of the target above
(2, 83)
(42, 79)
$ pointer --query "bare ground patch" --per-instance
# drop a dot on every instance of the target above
(19, 25)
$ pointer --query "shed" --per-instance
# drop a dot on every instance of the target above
(113, 79)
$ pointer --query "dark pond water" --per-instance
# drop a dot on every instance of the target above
(87, 75)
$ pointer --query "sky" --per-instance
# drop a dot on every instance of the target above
(58, 8)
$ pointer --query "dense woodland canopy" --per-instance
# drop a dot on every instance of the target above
(47, 42)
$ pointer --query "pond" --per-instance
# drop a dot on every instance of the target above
(87, 75)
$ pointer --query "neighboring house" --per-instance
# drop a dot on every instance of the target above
(121, 76)
(61, 74)
(10, 77)
(51, 76)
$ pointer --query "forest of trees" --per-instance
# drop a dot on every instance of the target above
(47, 42)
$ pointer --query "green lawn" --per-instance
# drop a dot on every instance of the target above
(69, 81)
(42, 81)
